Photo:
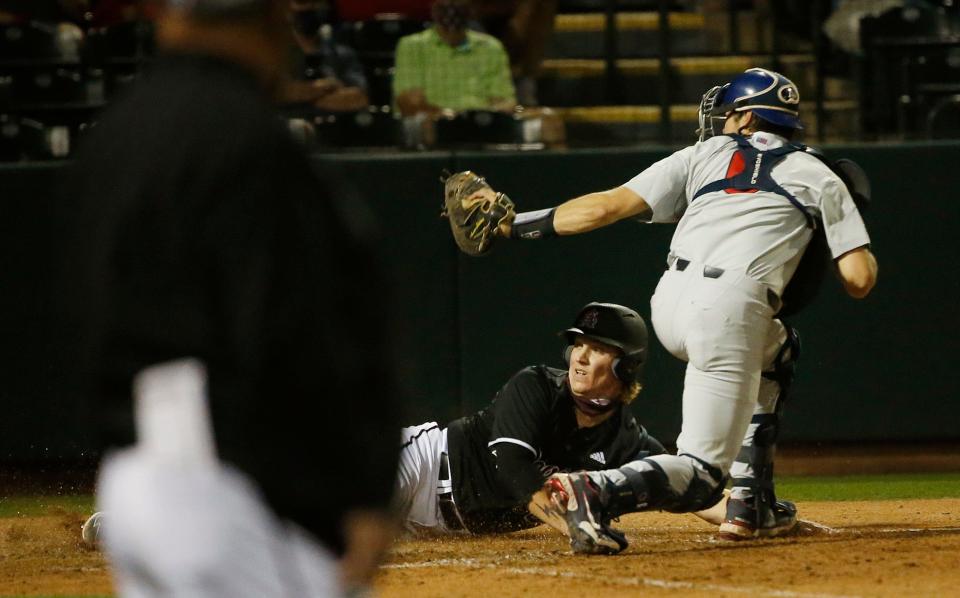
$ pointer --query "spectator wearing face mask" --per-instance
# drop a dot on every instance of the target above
(327, 74)
(449, 67)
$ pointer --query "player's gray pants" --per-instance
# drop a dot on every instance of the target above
(181, 523)
(752, 470)
(724, 329)
(418, 485)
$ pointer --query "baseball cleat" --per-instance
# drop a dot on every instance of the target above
(543, 506)
(91, 530)
(745, 522)
(576, 498)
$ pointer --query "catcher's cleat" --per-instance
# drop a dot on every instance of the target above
(745, 521)
(578, 499)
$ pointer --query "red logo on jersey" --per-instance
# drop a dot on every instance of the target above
(737, 165)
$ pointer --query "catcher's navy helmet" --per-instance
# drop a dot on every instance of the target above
(617, 326)
(768, 94)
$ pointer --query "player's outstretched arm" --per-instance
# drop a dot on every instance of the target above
(477, 213)
(858, 271)
(596, 210)
(579, 215)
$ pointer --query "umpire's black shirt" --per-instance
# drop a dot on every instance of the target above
(208, 235)
(502, 454)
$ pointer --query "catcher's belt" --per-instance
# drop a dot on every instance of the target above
(680, 264)
(448, 506)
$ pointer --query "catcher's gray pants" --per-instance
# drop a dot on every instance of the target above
(723, 327)
(181, 523)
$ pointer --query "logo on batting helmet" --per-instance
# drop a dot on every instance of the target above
(768, 94)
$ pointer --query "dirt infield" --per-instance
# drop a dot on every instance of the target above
(44, 556)
(884, 548)
(888, 548)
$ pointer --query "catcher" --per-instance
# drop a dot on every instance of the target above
(478, 474)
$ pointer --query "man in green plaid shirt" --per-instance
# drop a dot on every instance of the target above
(451, 67)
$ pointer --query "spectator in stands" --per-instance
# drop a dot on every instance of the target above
(448, 67)
(328, 74)
(524, 27)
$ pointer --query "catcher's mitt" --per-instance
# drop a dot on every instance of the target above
(475, 221)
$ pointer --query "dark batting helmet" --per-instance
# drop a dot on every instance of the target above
(617, 326)
(768, 94)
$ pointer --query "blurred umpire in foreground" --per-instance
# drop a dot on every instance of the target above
(235, 318)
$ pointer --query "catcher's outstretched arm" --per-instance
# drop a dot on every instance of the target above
(596, 210)
(465, 191)
(579, 215)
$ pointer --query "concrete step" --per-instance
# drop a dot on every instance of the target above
(638, 34)
(581, 82)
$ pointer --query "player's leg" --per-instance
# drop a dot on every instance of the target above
(416, 488)
(721, 328)
(753, 510)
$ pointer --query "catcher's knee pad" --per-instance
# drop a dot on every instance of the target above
(785, 364)
(641, 490)
(703, 492)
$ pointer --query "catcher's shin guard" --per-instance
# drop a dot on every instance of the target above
(753, 510)
(583, 506)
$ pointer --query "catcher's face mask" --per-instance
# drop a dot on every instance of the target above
(709, 114)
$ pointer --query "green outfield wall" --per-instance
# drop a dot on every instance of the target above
(881, 368)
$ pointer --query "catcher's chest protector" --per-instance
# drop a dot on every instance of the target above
(749, 172)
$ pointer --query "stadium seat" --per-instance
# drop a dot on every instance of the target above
(54, 85)
(131, 40)
(477, 128)
(379, 37)
(29, 41)
(374, 127)
(27, 139)
(943, 120)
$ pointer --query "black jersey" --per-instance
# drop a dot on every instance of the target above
(209, 235)
(533, 410)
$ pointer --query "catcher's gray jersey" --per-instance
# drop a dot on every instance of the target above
(760, 233)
